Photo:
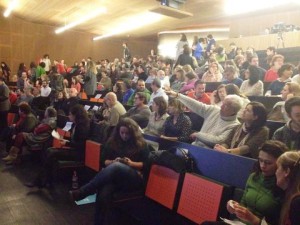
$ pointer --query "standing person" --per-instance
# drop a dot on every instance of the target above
(210, 45)
(47, 62)
(261, 197)
(288, 179)
(5, 71)
(122, 161)
(185, 58)
(126, 52)
(180, 44)
(90, 79)
(79, 133)
(4, 104)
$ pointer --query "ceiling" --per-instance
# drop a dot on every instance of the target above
(57, 13)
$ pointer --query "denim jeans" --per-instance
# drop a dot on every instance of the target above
(117, 177)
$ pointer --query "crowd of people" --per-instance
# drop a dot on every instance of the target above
(152, 96)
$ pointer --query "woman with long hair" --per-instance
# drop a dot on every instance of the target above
(90, 79)
(5, 71)
(213, 74)
(122, 160)
(249, 136)
(157, 117)
(288, 179)
(261, 198)
(252, 86)
(76, 151)
(218, 96)
(180, 44)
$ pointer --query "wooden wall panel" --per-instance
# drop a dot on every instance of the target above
(29, 42)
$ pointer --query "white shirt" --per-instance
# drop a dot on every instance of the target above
(45, 91)
(159, 92)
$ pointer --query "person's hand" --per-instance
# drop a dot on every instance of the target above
(126, 161)
(62, 142)
(220, 148)
(193, 136)
(231, 206)
(171, 93)
(244, 214)
(117, 159)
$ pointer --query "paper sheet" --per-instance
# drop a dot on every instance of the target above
(89, 199)
(68, 126)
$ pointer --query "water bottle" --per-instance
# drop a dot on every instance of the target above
(75, 181)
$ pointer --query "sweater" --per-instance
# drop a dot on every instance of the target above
(288, 136)
(139, 115)
(215, 128)
(256, 89)
(155, 127)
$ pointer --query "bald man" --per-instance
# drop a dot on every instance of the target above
(116, 109)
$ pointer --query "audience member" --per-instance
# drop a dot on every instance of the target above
(250, 135)
(185, 58)
(45, 89)
(231, 76)
(4, 104)
(180, 44)
(105, 82)
(210, 45)
(276, 63)
(190, 79)
(90, 79)
(5, 71)
(213, 74)
(199, 93)
(142, 72)
(290, 132)
(128, 91)
(218, 96)
(25, 96)
(40, 135)
(178, 126)
(139, 88)
(254, 61)
(157, 91)
(271, 51)
(296, 78)
(140, 112)
(232, 54)
(73, 100)
(252, 86)
(164, 79)
(21, 82)
(179, 80)
(75, 83)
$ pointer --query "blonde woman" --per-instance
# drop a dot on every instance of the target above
(90, 79)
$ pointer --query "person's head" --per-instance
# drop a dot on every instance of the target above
(78, 114)
(209, 37)
(124, 44)
(141, 86)
(277, 61)
(59, 95)
(140, 99)
(127, 84)
(73, 92)
(254, 61)
(159, 105)
(239, 51)
(24, 75)
(271, 51)
(74, 80)
(50, 112)
(36, 91)
(285, 71)
(186, 50)
(239, 59)
(183, 37)
(141, 69)
(110, 99)
(46, 56)
(288, 171)
(292, 108)
(161, 74)
(104, 73)
(231, 105)
(229, 63)
(290, 88)
(199, 88)
(42, 64)
(253, 74)
(156, 84)
(232, 46)
(221, 93)
(24, 108)
(187, 68)
(213, 67)
(180, 75)
(175, 107)
(268, 154)
(233, 89)
(230, 73)
(32, 65)
(44, 83)
(254, 115)
(189, 76)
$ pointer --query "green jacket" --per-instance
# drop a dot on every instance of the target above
(131, 99)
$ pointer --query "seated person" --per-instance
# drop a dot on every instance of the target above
(25, 96)
(59, 98)
(122, 160)
(76, 151)
(178, 126)
(276, 62)
(40, 135)
(71, 101)
(128, 91)
(250, 135)
(179, 79)
(105, 82)
(26, 123)
(253, 86)
(157, 117)
(218, 96)
(213, 74)
(140, 113)
(278, 112)
(231, 76)
(261, 198)
(199, 93)
(45, 89)
(218, 122)
(290, 132)
(284, 74)
(190, 79)
(157, 91)
(140, 87)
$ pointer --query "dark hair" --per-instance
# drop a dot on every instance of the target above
(253, 74)
(198, 82)
(259, 110)
(201, 40)
(22, 66)
(80, 114)
(2, 79)
(51, 112)
(284, 67)
(210, 36)
(156, 82)
(32, 65)
(217, 97)
(190, 75)
(42, 64)
(289, 104)
(142, 96)
(272, 48)
(272, 147)
(162, 105)
(24, 108)
(186, 50)
(127, 84)
(232, 89)
(135, 143)
(183, 37)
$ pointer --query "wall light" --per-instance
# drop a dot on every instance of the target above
(235, 7)
(82, 20)
(132, 23)
(12, 5)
